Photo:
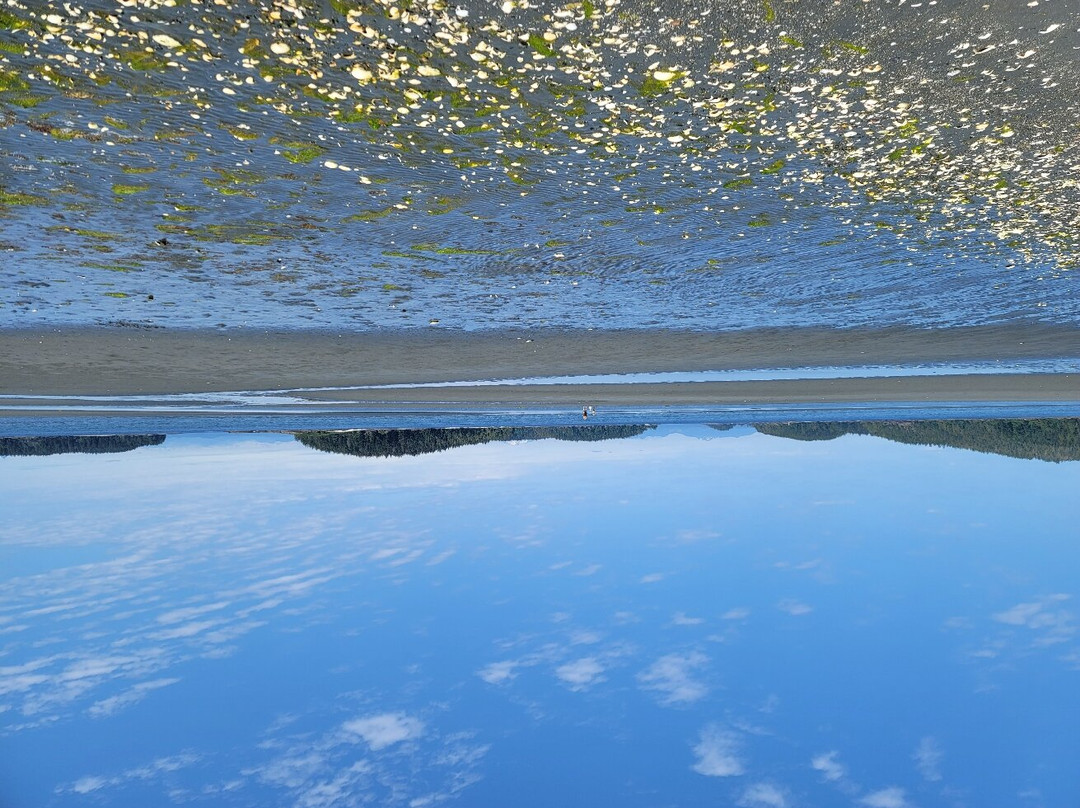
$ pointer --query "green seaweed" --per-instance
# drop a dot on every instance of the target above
(11, 80)
(343, 7)
(444, 204)
(174, 135)
(173, 229)
(435, 248)
(13, 198)
(109, 267)
(469, 162)
(540, 45)
(256, 239)
(122, 189)
(908, 128)
(369, 215)
(145, 60)
(11, 22)
(303, 153)
(24, 100)
(233, 182)
(651, 87)
(97, 234)
(851, 46)
(238, 133)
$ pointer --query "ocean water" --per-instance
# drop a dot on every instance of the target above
(477, 165)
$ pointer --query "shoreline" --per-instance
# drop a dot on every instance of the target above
(124, 361)
(1059, 390)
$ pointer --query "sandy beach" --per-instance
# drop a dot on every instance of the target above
(114, 362)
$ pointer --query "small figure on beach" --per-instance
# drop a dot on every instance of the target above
(584, 414)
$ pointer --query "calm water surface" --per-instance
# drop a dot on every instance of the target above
(787, 615)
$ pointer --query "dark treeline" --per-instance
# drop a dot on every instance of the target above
(401, 442)
(84, 444)
(1051, 439)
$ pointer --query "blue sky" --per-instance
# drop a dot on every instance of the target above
(687, 617)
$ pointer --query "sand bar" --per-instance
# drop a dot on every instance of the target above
(127, 361)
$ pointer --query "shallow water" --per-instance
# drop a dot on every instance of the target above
(594, 164)
(788, 615)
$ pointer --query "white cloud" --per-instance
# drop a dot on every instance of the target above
(293, 771)
(180, 615)
(85, 785)
(133, 695)
(21, 683)
(151, 771)
(693, 536)
(584, 637)
(1019, 615)
(891, 797)
(338, 790)
(762, 795)
(498, 672)
(327, 771)
(928, 757)
(671, 676)
(958, 623)
(441, 557)
(186, 630)
(794, 607)
(717, 753)
(830, 768)
(1035, 614)
(682, 619)
(1052, 625)
(740, 613)
(161, 766)
(581, 674)
(380, 731)
(652, 578)
(93, 667)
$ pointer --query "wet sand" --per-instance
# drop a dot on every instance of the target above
(87, 362)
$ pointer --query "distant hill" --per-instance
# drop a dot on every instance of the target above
(403, 442)
(1051, 439)
(82, 444)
